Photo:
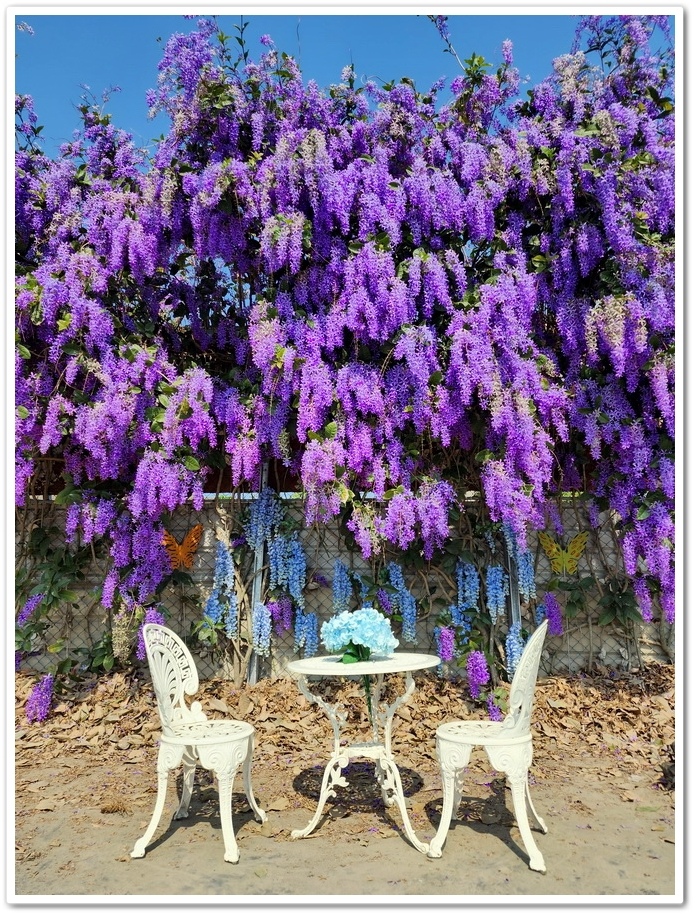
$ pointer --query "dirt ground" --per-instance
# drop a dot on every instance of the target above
(602, 779)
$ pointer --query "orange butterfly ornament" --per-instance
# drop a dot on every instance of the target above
(181, 554)
(564, 561)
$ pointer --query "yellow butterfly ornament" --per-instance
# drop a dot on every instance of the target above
(564, 561)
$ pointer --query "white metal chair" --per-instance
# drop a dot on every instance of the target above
(509, 748)
(188, 737)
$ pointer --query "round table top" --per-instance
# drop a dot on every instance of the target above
(332, 666)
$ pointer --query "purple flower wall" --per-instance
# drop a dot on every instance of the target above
(384, 293)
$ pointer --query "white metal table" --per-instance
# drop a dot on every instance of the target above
(379, 750)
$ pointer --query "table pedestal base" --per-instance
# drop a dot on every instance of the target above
(386, 771)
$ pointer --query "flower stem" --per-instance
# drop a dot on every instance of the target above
(368, 695)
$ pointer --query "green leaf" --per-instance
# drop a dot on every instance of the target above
(191, 463)
(606, 618)
(22, 412)
(484, 455)
(345, 494)
(67, 496)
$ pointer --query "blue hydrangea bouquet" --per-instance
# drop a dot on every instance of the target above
(356, 635)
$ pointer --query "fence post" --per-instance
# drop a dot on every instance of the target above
(514, 587)
(253, 670)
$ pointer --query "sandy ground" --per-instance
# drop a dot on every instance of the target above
(85, 790)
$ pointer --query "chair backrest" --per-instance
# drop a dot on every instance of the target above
(519, 718)
(173, 673)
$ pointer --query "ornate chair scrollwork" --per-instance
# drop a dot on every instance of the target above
(190, 738)
(509, 748)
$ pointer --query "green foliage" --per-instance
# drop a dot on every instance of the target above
(209, 633)
(52, 570)
(576, 592)
(618, 604)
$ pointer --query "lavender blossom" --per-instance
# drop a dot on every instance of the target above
(551, 609)
(31, 604)
(495, 713)
(40, 700)
(477, 673)
(445, 637)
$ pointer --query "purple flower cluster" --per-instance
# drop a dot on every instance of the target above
(40, 700)
(550, 609)
(495, 713)
(382, 597)
(362, 284)
(31, 604)
(445, 637)
(477, 673)
(280, 610)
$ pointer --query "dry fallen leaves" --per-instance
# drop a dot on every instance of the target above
(607, 726)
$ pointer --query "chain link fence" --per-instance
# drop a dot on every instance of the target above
(81, 623)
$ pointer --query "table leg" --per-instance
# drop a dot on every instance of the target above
(336, 715)
(385, 717)
(332, 777)
(392, 791)
(386, 770)
(333, 771)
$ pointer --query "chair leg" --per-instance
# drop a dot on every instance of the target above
(225, 781)
(448, 794)
(260, 814)
(189, 762)
(454, 758)
(168, 758)
(458, 790)
(532, 809)
(520, 796)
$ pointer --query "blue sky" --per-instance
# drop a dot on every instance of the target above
(70, 50)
